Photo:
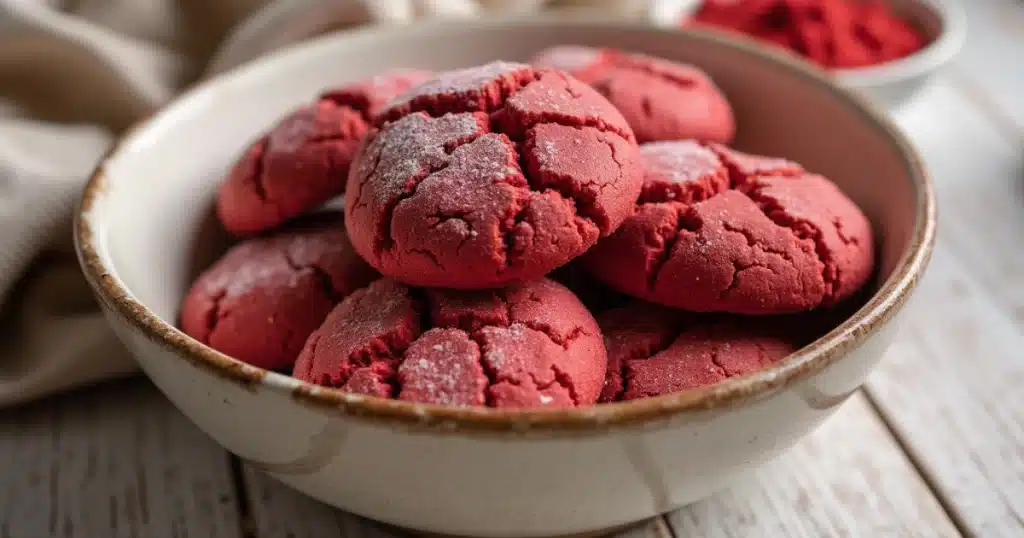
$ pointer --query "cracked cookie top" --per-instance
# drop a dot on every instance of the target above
(654, 350)
(490, 175)
(260, 301)
(717, 230)
(661, 100)
(303, 160)
(527, 345)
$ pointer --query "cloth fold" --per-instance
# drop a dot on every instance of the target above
(75, 73)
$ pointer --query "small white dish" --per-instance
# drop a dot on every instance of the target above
(895, 84)
(892, 84)
(144, 228)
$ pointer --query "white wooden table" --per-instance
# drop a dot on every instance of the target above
(932, 447)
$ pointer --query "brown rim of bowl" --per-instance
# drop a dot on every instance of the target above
(806, 362)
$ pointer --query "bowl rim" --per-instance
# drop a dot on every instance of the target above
(806, 362)
(936, 53)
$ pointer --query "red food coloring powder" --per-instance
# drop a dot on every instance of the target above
(832, 33)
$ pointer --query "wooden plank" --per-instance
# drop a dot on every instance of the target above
(990, 60)
(979, 176)
(847, 479)
(951, 388)
(947, 386)
(277, 510)
(832, 479)
(114, 461)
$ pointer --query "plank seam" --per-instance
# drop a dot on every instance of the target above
(931, 483)
(1008, 128)
(245, 523)
(663, 528)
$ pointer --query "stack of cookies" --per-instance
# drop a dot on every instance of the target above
(561, 233)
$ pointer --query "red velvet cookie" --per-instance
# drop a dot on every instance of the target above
(490, 175)
(304, 160)
(261, 300)
(717, 230)
(654, 350)
(662, 100)
(527, 345)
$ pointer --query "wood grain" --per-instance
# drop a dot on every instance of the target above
(120, 461)
(950, 388)
(827, 486)
(979, 176)
(990, 60)
(276, 511)
(115, 461)
(848, 479)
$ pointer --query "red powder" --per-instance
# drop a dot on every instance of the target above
(832, 33)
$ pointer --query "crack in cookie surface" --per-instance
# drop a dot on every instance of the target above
(303, 160)
(295, 166)
(546, 169)
(659, 351)
(720, 230)
(662, 100)
(260, 301)
(528, 345)
(255, 176)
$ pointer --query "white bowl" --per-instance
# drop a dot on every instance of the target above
(894, 84)
(144, 226)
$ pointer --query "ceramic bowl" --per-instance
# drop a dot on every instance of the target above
(145, 226)
(895, 84)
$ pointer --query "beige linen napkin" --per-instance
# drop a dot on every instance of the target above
(74, 73)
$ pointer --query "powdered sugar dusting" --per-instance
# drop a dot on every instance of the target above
(495, 357)
(443, 367)
(266, 261)
(747, 165)
(369, 94)
(249, 276)
(567, 57)
(486, 157)
(679, 161)
(548, 150)
(459, 81)
(412, 145)
(293, 131)
(395, 81)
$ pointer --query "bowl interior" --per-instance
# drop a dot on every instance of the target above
(152, 218)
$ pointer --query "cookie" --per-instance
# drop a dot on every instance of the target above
(260, 301)
(527, 345)
(490, 175)
(717, 230)
(661, 100)
(654, 350)
(303, 161)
